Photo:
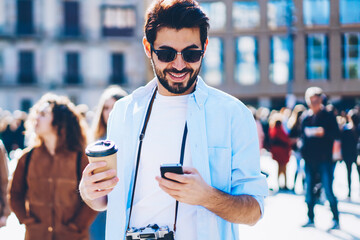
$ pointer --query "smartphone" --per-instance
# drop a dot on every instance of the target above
(171, 167)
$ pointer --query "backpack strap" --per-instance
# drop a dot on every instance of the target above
(78, 166)
(26, 169)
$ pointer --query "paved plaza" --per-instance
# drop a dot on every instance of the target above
(285, 212)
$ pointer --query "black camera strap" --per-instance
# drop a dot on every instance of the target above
(181, 162)
(141, 138)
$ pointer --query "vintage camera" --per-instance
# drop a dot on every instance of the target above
(151, 231)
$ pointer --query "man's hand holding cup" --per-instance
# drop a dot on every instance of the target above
(99, 177)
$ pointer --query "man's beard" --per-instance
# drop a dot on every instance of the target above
(176, 88)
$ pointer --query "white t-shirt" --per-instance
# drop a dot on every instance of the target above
(162, 144)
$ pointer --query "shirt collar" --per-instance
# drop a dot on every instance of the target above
(201, 92)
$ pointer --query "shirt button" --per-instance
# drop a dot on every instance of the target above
(50, 229)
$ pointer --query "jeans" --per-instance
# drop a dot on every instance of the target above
(325, 170)
(97, 229)
(349, 160)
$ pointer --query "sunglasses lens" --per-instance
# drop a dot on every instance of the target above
(167, 55)
(192, 56)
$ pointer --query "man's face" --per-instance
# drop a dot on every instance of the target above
(176, 77)
(315, 103)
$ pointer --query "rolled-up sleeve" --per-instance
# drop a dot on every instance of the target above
(246, 177)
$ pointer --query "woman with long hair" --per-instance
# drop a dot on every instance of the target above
(99, 126)
(44, 189)
(105, 105)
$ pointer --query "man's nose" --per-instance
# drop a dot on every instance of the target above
(179, 62)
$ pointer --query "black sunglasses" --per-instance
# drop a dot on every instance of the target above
(169, 55)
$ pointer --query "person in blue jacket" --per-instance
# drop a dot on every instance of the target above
(177, 118)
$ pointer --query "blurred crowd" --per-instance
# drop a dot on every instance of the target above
(12, 127)
(318, 136)
(47, 132)
(280, 134)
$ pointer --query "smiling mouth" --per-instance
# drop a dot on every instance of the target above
(177, 75)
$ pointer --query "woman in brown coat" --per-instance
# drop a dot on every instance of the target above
(4, 173)
(44, 189)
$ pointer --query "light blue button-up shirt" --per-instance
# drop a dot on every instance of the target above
(224, 149)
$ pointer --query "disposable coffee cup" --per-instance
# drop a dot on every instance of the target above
(103, 150)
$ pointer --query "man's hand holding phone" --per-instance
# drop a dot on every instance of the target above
(185, 184)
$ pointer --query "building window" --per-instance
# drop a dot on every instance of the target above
(117, 69)
(213, 64)
(279, 13)
(72, 71)
(26, 67)
(317, 58)
(351, 55)
(280, 71)
(246, 14)
(216, 11)
(349, 11)
(71, 18)
(24, 17)
(316, 12)
(118, 21)
(247, 68)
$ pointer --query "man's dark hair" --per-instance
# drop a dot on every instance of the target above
(175, 14)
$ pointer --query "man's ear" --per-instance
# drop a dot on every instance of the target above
(147, 47)
(206, 44)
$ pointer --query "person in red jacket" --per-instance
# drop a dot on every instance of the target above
(280, 146)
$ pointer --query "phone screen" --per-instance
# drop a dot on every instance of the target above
(173, 168)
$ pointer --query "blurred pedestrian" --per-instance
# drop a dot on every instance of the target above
(105, 105)
(260, 131)
(8, 133)
(99, 126)
(4, 173)
(44, 189)
(319, 130)
(349, 138)
(19, 133)
(294, 125)
(285, 113)
(358, 142)
(279, 146)
(263, 115)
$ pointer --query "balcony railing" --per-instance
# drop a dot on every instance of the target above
(118, 32)
(72, 79)
(26, 78)
(25, 29)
